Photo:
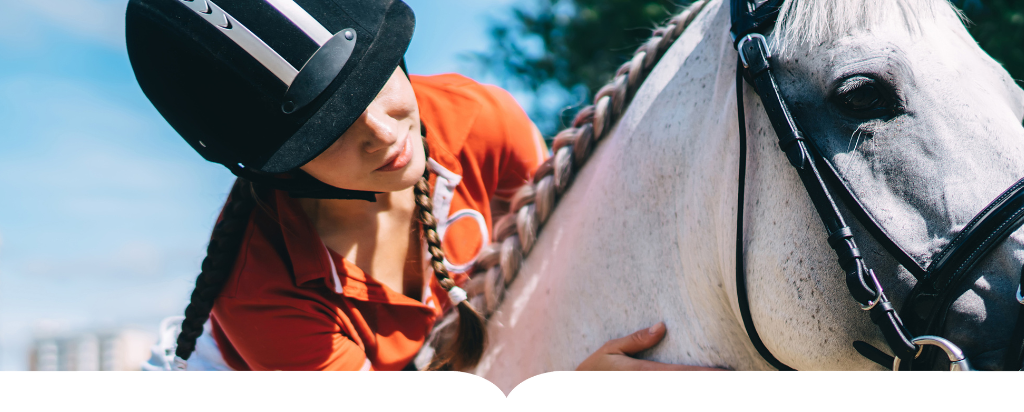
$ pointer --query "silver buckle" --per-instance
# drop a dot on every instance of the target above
(957, 360)
(878, 292)
(752, 36)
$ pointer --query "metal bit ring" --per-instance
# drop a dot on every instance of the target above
(957, 360)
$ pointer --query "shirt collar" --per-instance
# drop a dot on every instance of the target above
(311, 261)
(306, 252)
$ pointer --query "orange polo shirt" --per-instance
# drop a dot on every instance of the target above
(293, 304)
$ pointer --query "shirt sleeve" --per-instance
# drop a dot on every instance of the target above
(521, 143)
(298, 335)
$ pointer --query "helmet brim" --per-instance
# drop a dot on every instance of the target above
(351, 97)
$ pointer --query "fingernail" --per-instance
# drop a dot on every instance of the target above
(654, 329)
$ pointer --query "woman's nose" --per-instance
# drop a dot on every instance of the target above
(382, 130)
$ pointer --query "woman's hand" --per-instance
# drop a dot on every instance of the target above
(615, 355)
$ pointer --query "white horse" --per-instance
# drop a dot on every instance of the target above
(646, 231)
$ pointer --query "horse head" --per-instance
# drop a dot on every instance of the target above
(924, 130)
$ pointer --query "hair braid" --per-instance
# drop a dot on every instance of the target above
(220, 260)
(468, 346)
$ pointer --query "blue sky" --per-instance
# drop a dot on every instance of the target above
(104, 211)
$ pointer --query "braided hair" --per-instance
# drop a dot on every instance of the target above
(225, 243)
(468, 346)
(221, 254)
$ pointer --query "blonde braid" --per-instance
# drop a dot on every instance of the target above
(468, 346)
(429, 224)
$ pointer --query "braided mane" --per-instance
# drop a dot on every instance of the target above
(515, 233)
(800, 22)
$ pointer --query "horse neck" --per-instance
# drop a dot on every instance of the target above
(669, 172)
(667, 204)
(646, 232)
(676, 150)
(679, 145)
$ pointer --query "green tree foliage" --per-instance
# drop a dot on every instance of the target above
(998, 26)
(562, 51)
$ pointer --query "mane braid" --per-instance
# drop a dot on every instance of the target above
(516, 233)
(221, 255)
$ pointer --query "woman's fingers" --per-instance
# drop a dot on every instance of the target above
(636, 341)
(615, 354)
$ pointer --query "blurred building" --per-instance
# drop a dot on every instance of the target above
(110, 350)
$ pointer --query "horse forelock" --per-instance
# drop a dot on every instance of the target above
(810, 23)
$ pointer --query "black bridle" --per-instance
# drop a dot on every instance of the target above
(928, 303)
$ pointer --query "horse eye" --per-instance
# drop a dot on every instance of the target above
(861, 96)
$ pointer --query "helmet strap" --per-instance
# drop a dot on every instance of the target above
(300, 184)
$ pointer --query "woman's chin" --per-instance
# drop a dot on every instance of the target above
(413, 172)
(402, 179)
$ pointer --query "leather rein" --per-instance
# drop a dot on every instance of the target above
(929, 301)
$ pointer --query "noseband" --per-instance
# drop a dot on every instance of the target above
(927, 305)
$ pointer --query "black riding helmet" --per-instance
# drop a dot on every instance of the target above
(264, 86)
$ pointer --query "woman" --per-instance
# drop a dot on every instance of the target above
(300, 102)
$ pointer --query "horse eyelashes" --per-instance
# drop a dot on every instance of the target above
(863, 97)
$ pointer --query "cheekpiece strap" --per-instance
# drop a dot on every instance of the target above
(750, 22)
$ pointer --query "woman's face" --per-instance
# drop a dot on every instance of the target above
(383, 150)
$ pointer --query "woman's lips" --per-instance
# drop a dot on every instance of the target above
(400, 158)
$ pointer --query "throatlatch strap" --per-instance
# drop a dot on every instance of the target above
(741, 279)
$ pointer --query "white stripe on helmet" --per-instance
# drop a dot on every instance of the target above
(244, 38)
(302, 20)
